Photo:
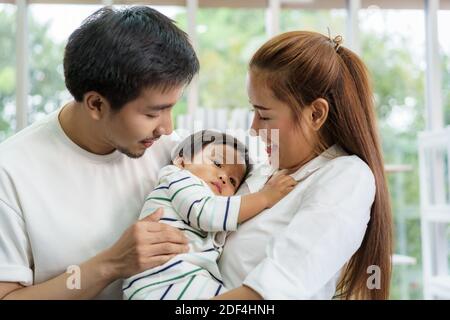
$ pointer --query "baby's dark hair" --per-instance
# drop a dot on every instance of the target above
(196, 142)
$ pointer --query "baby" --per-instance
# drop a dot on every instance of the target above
(197, 194)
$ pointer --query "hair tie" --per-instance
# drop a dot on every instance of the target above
(336, 41)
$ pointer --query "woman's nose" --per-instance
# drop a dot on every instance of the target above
(254, 129)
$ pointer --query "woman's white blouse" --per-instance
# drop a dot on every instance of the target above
(296, 249)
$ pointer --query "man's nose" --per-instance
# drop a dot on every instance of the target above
(166, 126)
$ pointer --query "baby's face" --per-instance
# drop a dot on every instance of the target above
(218, 166)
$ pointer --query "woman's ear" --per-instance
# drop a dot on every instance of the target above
(318, 113)
(179, 162)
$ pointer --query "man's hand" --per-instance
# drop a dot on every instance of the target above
(145, 245)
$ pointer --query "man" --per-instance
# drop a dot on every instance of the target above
(72, 185)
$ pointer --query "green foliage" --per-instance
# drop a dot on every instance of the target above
(227, 39)
(399, 95)
(7, 71)
(313, 20)
(446, 87)
(46, 72)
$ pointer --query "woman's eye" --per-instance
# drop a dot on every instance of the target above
(263, 118)
(151, 116)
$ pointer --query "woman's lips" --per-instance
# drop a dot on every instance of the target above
(271, 148)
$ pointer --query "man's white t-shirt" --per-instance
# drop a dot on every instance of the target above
(61, 205)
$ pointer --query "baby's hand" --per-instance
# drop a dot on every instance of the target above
(279, 185)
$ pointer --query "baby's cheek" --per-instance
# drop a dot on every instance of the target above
(228, 191)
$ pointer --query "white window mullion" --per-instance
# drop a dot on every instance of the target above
(22, 78)
(352, 26)
(193, 96)
(435, 118)
(273, 18)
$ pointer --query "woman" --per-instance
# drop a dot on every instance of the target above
(331, 236)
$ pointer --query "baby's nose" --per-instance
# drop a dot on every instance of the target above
(223, 179)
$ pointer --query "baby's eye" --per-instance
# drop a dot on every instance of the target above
(233, 182)
(217, 164)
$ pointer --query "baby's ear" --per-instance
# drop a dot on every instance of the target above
(179, 162)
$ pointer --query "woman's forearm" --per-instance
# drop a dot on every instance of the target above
(94, 275)
(240, 293)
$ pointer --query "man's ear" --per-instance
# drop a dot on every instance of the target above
(179, 162)
(318, 113)
(96, 105)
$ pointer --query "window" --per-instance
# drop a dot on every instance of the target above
(7, 70)
(227, 39)
(314, 20)
(443, 27)
(50, 27)
(392, 45)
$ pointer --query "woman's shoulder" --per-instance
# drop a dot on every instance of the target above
(349, 168)
(345, 181)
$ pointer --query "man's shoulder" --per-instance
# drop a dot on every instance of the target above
(24, 144)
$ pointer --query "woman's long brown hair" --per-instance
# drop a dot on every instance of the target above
(300, 67)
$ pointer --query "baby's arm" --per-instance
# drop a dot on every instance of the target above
(275, 189)
(199, 209)
(197, 206)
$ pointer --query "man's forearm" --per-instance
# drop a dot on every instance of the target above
(95, 274)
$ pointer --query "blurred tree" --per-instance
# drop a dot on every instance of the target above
(47, 88)
(227, 39)
(399, 98)
(7, 72)
(314, 20)
(446, 86)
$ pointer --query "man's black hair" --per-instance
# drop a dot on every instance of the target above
(119, 52)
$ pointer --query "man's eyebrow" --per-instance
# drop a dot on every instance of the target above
(160, 107)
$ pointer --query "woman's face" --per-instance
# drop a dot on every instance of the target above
(288, 144)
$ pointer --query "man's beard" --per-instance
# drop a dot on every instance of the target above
(125, 150)
(130, 154)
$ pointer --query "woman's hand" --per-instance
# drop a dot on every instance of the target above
(145, 245)
(279, 185)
